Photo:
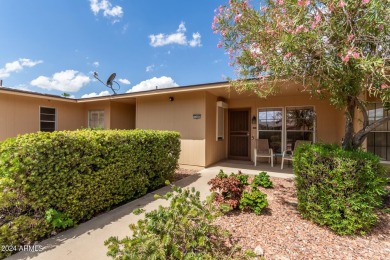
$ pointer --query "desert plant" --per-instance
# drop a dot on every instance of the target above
(227, 191)
(221, 174)
(338, 188)
(263, 180)
(184, 230)
(243, 178)
(254, 200)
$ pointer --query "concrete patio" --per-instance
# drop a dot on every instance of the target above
(247, 167)
(86, 241)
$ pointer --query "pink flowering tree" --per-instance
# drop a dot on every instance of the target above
(337, 49)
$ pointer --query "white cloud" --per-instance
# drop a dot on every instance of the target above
(67, 81)
(96, 64)
(150, 84)
(149, 68)
(179, 37)
(16, 66)
(106, 7)
(195, 42)
(94, 94)
(124, 81)
(182, 28)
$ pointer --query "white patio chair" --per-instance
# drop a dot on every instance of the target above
(263, 150)
(289, 157)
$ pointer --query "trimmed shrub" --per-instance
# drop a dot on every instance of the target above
(263, 180)
(339, 188)
(80, 173)
(184, 230)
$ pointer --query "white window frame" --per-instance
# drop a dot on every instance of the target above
(284, 123)
(220, 120)
(89, 118)
(55, 117)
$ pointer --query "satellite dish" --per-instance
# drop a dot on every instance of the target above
(111, 79)
(109, 82)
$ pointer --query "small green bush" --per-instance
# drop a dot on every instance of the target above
(221, 174)
(254, 200)
(243, 178)
(229, 192)
(184, 230)
(58, 219)
(79, 173)
(338, 188)
(263, 180)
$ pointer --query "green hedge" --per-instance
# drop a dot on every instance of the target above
(78, 173)
(339, 188)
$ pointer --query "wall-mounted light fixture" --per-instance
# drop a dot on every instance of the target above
(171, 99)
(254, 121)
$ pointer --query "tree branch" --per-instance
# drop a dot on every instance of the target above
(377, 123)
(361, 135)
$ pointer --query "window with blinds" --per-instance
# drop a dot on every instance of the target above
(47, 119)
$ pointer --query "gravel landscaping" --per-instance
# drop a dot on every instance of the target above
(283, 234)
(183, 173)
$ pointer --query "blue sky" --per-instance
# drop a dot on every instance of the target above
(54, 46)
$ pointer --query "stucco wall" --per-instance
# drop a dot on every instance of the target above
(159, 113)
(20, 114)
(122, 115)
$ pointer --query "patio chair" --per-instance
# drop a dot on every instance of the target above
(263, 150)
(289, 157)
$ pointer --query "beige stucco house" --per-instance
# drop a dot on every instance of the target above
(215, 122)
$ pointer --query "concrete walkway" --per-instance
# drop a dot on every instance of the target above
(86, 241)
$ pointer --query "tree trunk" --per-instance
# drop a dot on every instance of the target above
(347, 143)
